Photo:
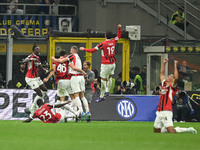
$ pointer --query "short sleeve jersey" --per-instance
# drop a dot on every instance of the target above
(108, 50)
(166, 97)
(62, 70)
(45, 114)
(32, 66)
(76, 60)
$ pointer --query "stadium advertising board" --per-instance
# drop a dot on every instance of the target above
(114, 108)
(36, 25)
(13, 102)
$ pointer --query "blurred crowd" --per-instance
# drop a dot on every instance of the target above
(14, 6)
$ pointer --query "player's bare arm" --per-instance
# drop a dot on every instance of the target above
(60, 105)
(175, 72)
(77, 69)
(162, 71)
(27, 120)
(60, 60)
(29, 59)
(52, 71)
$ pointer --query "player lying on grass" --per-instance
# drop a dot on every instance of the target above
(45, 114)
(163, 122)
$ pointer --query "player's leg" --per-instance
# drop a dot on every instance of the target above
(109, 81)
(86, 106)
(75, 86)
(42, 87)
(181, 130)
(157, 123)
(33, 83)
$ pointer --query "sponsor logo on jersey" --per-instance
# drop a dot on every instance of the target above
(126, 109)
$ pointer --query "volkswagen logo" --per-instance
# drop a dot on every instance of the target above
(126, 108)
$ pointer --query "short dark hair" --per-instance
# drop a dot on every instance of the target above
(34, 46)
(181, 8)
(63, 53)
(109, 35)
(88, 63)
(136, 68)
(65, 20)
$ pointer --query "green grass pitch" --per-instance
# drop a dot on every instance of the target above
(96, 135)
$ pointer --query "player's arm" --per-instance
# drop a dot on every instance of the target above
(77, 69)
(162, 71)
(118, 33)
(60, 60)
(27, 59)
(60, 105)
(175, 72)
(90, 78)
(52, 71)
(88, 50)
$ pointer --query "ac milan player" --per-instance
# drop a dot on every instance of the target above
(45, 114)
(77, 82)
(63, 77)
(108, 61)
(32, 78)
(163, 122)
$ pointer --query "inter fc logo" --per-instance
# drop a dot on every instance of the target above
(126, 109)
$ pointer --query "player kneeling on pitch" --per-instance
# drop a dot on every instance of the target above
(163, 122)
(45, 114)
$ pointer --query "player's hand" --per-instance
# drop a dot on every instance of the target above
(81, 48)
(53, 58)
(84, 73)
(175, 62)
(119, 26)
(33, 59)
(45, 80)
(166, 60)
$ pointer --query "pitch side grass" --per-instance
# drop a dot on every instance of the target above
(96, 135)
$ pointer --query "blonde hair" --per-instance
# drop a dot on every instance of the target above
(75, 48)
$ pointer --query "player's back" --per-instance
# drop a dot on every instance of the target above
(32, 66)
(45, 114)
(108, 51)
(76, 60)
(166, 97)
(62, 70)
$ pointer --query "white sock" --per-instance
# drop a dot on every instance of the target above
(85, 104)
(67, 107)
(57, 109)
(75, 108)
(163, 130)
(34, 106)
(77, 103)
(109, 84)
(180, 130)
(103, 88)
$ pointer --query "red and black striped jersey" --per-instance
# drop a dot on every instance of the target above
(32, 66)
(45, 114)
(107, 49)
(62, 70)
(166, 97)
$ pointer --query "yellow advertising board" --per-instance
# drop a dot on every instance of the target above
(23, 48)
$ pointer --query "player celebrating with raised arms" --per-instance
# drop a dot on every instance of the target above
(163, 122)
(108, 61)
(32, 78)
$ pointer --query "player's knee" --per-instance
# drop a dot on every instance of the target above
(171, 130)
